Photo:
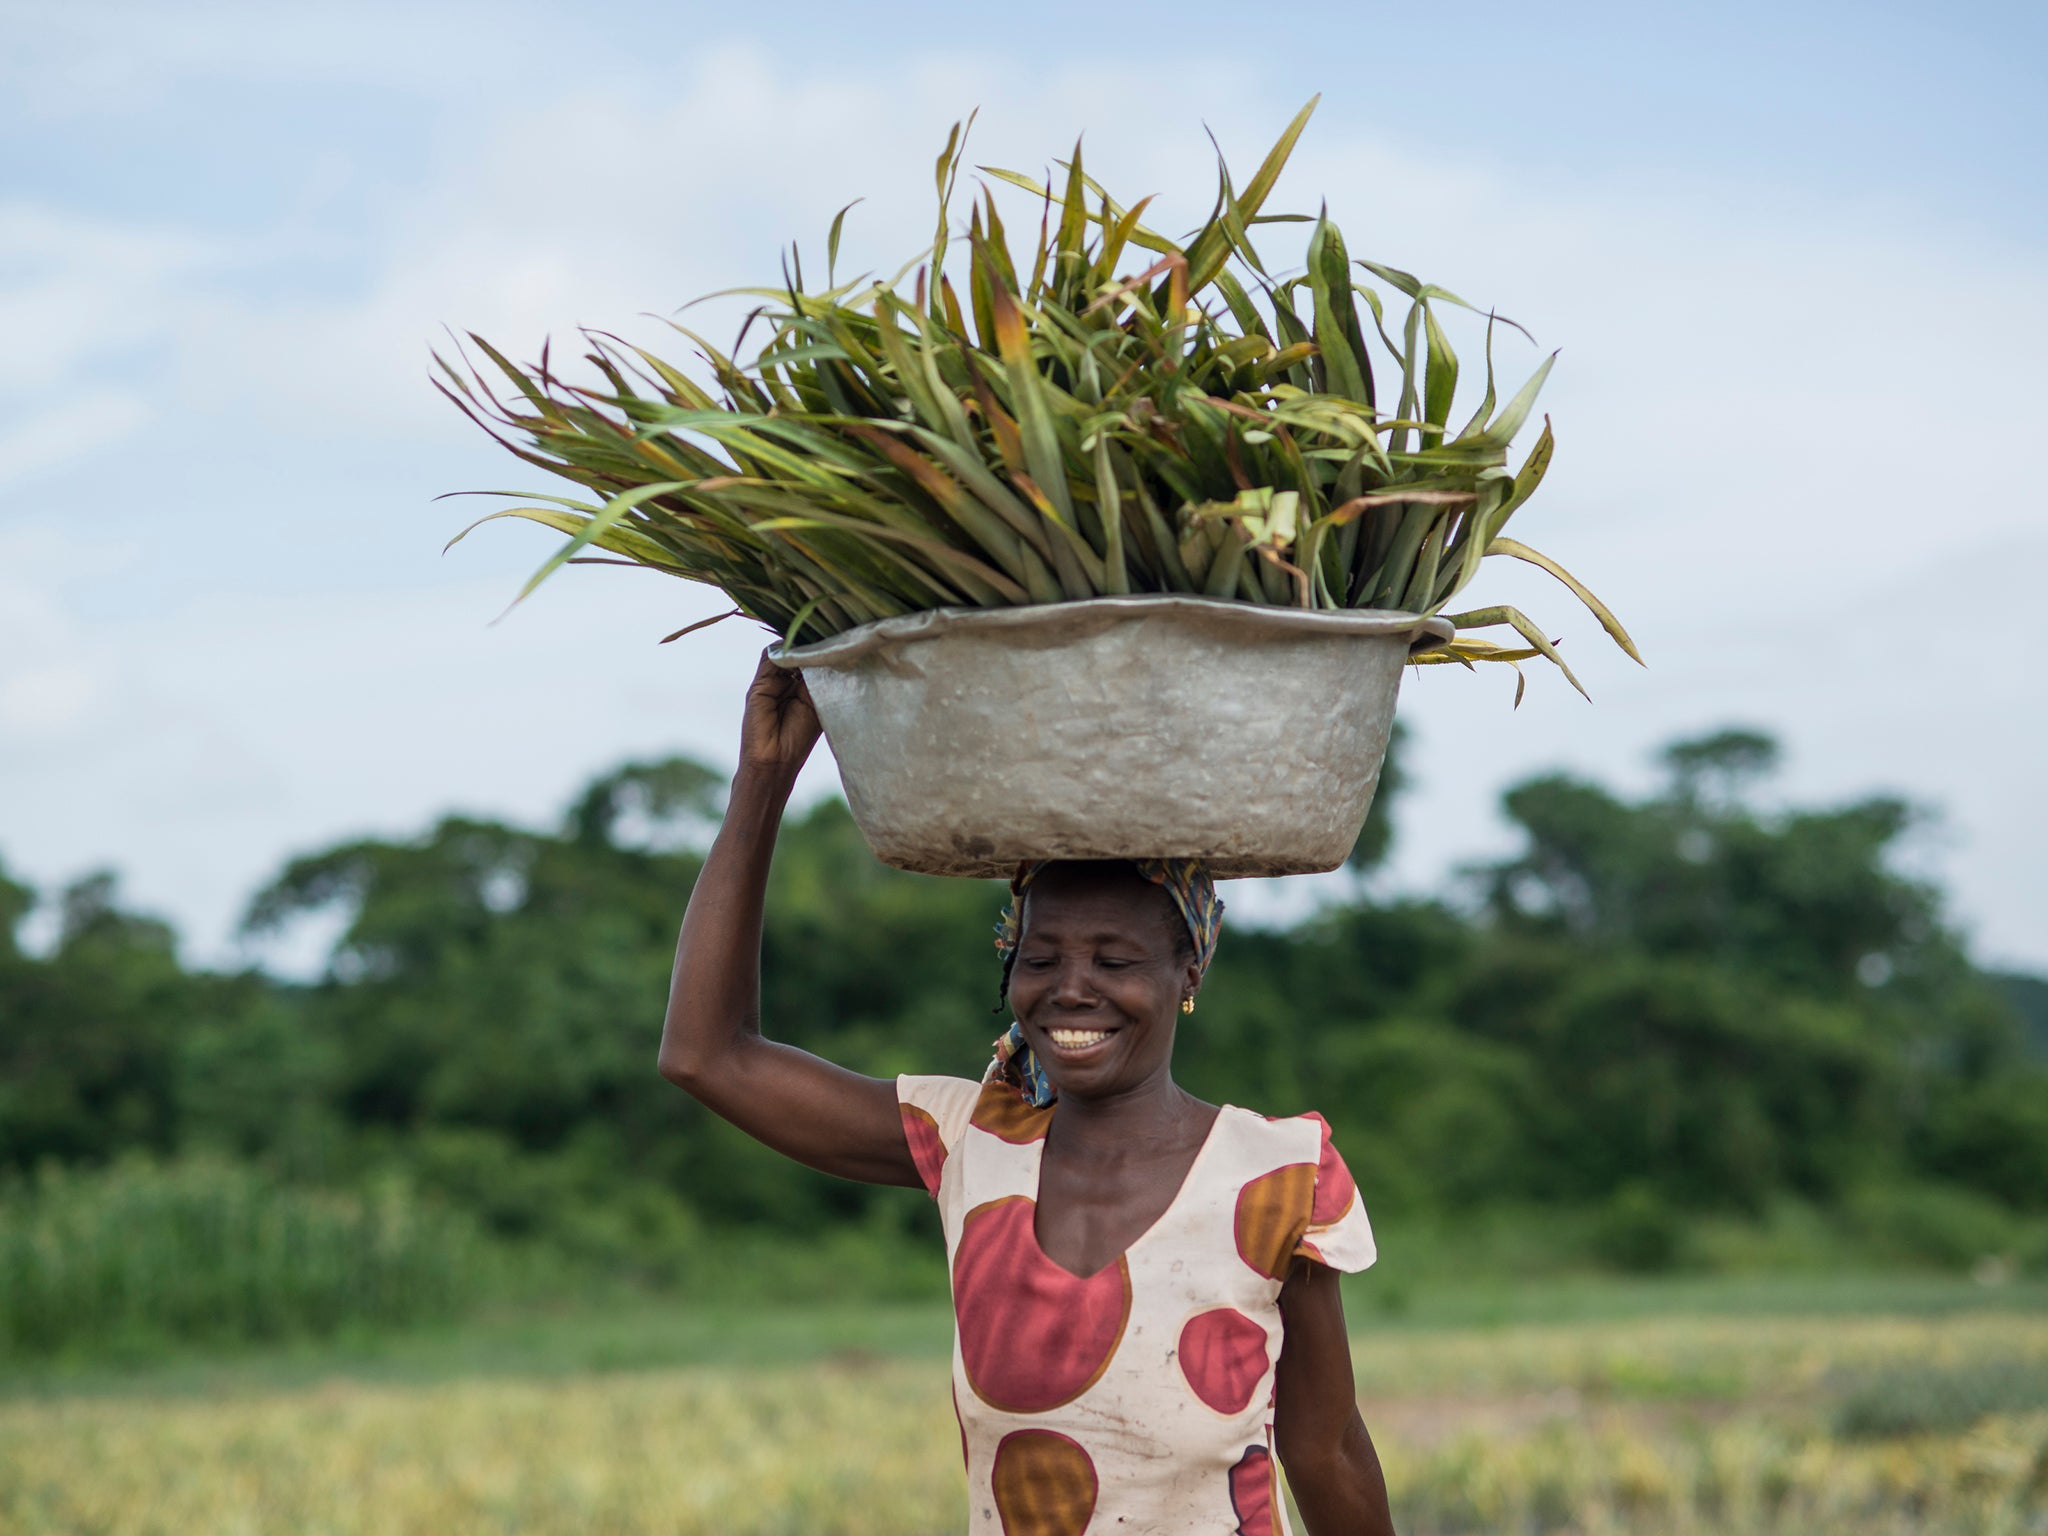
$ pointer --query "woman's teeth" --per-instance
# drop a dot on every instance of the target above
(1074, 1039)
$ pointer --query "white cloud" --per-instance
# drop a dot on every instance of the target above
(122, 57)
(74, 289)
(81, 300)
(46, 700)
(48, 439)
(56, 670)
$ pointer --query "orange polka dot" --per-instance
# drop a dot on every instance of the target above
(1251, 1493)
(1044, 1484)
(1222, 1354)
(927, 1149)
(1002, 1112)
(1272, 1213)
(1032, 1336)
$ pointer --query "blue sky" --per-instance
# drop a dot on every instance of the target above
(1937, 106)
(1796, 257)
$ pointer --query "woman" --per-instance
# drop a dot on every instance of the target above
(1143, 1283)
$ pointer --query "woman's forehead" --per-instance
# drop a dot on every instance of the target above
(1129, 907)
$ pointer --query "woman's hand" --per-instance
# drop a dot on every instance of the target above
(779, 727)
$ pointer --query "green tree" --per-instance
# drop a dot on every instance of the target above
(87, 1057)
(1731, 1000)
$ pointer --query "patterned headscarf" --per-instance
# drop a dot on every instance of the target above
(1187, 881)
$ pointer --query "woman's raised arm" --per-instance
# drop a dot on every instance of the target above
(836, 1121)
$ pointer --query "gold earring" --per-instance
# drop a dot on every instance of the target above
(1187, 1005)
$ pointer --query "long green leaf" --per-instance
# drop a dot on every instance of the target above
(1211, 248)
(1482, 618)
(1599, 610)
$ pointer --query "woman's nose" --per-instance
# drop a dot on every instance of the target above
(1072, 986)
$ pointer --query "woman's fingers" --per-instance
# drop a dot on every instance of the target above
(779, 727)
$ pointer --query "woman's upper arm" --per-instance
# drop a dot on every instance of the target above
(1315, 1395)
(823, 1115)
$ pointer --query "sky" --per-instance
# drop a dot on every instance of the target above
(1795, 259)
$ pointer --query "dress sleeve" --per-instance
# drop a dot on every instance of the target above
(1338, 1233)
(935, 1113)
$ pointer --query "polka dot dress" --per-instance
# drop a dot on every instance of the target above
(1138, 1398)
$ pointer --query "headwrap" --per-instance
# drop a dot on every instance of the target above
(1187, 881)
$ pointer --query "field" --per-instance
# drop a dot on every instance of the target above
(1901, 1410)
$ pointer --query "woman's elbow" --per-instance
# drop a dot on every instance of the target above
(1318, 1463)
(679, 1070)
(695, 1066)
(1337, 1475)
(686, 1066)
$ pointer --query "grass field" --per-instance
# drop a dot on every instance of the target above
(1783, 1409)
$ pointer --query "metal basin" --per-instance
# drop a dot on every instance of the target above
(1119, 727)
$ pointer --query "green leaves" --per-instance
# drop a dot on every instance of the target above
(1112, 411)
(1339, 338)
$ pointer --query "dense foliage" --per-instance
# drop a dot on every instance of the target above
(1660, 1019)
(1069, 430)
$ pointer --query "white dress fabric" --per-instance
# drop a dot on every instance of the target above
(1138, 1399)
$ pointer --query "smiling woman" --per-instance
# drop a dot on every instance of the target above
(1143, 1284)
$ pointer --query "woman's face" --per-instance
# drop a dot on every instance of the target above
(1099, 977)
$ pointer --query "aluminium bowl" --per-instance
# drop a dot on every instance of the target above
(970, 740)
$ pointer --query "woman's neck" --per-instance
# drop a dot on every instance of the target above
(1157, 1109)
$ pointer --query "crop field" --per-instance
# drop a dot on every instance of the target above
(1775, 1426)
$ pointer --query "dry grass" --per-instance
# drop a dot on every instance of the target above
(856, 1452)
(1655, 1427)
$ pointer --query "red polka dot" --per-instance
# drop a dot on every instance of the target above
(1272, 1213)
(1032, 1336)
(926, 1149)
(1223, 1356)
(1044, 1484)
(1334, 1189)
(1251, 1493)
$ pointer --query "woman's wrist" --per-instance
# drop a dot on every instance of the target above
(768, 780)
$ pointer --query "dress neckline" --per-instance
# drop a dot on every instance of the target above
(1187, 1181)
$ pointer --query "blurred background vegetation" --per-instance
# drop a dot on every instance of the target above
(1692, 1031)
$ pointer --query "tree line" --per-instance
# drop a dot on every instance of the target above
(1662, 1013)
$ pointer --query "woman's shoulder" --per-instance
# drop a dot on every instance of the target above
(1308, 1128)
(935, 1112)
(1308, 1198)
(939, 1112)
(936, 1095)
